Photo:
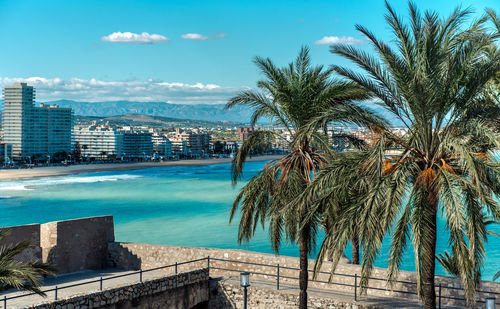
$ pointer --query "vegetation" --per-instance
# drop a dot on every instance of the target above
(431, 78)
(291, 97)
(17, 274)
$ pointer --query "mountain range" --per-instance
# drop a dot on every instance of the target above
(206, 112)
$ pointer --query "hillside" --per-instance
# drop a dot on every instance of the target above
(152, 121)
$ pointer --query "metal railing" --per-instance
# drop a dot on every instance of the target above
(101, 280)
(277, 273)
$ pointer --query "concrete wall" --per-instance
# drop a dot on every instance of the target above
(133, 256)
(184, 292)
(75, 245)
(29, 233)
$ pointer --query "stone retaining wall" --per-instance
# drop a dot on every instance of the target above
(174, 292)
(135, 256)
(225, 295)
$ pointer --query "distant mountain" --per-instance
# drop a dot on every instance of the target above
(152, 121)
(207, 112)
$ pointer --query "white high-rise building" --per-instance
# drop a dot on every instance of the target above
(99, 141)
(34, 131)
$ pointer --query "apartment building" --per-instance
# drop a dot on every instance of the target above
(137, 144)
(34, 130)
(99, 141)
(162, 146)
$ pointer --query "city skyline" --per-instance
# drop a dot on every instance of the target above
(172, 52)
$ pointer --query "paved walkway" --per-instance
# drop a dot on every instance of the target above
(128, 278)
(131, 277)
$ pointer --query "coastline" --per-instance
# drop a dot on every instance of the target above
(47, 171)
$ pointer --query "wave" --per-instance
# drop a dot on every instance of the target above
(29, 184)
(13, 187)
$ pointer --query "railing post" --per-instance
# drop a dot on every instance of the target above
(439, 299)
(278, 277)
(100, 284)
(5, 302)
(140, 275)
(355, 287)
(176, 268)
(208, 264)
(55, 293)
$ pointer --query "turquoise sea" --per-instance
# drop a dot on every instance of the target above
(186, 206)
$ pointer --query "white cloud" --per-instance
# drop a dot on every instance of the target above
(129, 37)
(220, 35)
(329, 40)
(194, 36)
(94, 90)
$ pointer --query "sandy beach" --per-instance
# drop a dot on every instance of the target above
(9, 174)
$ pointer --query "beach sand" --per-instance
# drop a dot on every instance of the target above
(8, 174)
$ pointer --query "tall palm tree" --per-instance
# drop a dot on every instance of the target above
(290, 97)
(429, 78)
(17, 274)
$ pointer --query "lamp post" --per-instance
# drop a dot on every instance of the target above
(245, 282)
(490, 303)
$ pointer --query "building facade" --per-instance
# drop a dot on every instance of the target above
(137, 144)
(245, 132)
(191, 143)
(99, 141)
(162, 146)
(31, 130)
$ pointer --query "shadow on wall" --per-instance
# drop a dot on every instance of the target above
(218, 297)
(121, 258)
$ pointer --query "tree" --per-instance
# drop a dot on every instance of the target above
(77, 152)
(290, 97)
(17, 274)
(429, 78)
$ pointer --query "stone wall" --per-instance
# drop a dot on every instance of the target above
(183, 292)
(29, 233)
(75, 245)
(70, 245)
(135, 256)
(225, 295)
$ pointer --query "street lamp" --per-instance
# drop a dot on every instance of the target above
(245, 282)
(490, 303)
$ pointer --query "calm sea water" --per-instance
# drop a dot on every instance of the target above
(186, 206)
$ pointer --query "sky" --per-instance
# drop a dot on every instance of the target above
(177, 51)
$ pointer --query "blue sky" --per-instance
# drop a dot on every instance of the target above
(70, 47)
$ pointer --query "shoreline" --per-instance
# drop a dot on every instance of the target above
(48, 171)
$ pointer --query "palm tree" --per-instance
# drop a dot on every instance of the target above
(17, 274)
(429, 78)
(290, 97)
(451, 264)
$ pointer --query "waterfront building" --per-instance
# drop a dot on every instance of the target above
(137, 144)
(193, 143)
(34, 130)
(99, 141)
(245, 132)
(162, 146)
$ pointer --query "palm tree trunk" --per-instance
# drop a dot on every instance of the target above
(355, 248)
(428, 256)
(303, 276)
